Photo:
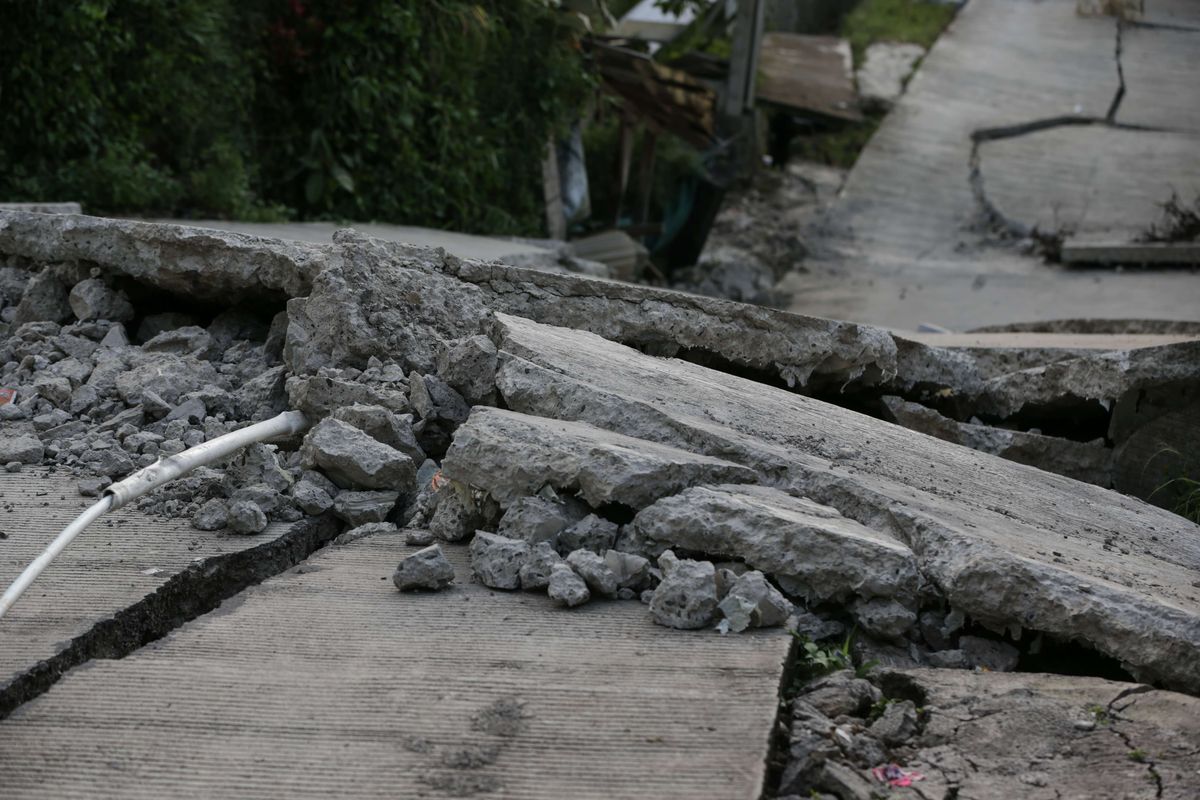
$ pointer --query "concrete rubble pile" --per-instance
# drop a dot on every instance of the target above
(596, 440)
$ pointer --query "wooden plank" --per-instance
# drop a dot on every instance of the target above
(808, 73)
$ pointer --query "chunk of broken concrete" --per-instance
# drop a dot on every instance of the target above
(23, 448)
(353, 459)
(359, 508)
(565, 587)
(246, 517)
(211, 516)
(590, 533)
(394, 430)
(468, 365)
(687, 596)
(535, 573)
(752, 602)
(812, 548)
(538, 519)
(456, 515)
(595, 572)
(425, 569)
(988, 654)
(632, 571)
(884, 617)
(497, 560)
(513, 455)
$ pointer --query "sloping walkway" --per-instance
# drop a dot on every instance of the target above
(327, 682)
(903, 242)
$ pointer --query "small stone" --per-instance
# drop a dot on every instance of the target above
(111, 461)
(211, 516)
(752, 602)
(154, 406)
(23, 448)
(633, 572)
(116, 337)
(311, 499)
(884, 617)
(565, 587)
(988, 654)
(359, 508)
(93, 299)
(841, 693)
(497, 560)
(94, 487)
(55, 389)
(595, 572)
(433, 399)
(189, 340)
(365, 530)
(383, 425)
(590, 533)
(535, 573)
(537, 519)
(191, 411)
(897, 725)
(947, 659)
(469, 366)
(13, 466)
(246, 517)
(418, 537)
(455, 517)
(1084, 724)
(424, 569)
(687, 596)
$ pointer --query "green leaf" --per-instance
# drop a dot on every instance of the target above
(342, 177)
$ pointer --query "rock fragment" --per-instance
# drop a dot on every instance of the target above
(632, 571)
(468, 365)
(425, 569)
(211, 516)
(988, 653)
(456, 515)
(687, 596)
(93, 299)
(354, 459)
(246, 517)
(595, 572)
(360, 508)
(394, 430)
(537, 519)
(566, 588)
(883, 617)
(23, 448)
(590, 533)
(535, 572)
(311, 498)
(497, 560)
(752, 602)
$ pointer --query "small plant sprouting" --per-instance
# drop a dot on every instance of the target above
(1137, 754)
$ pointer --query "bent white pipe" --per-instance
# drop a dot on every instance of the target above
(146, 480)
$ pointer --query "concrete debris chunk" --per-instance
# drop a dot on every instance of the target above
(988, 653)
(468, 365)
(188, 340)
(456, 515)
(687, 596)
(320, 395)
(632, 571)
(883, 617)
(841, 693)
(212, 516)
(359, 508)
(311, 498)
(366, 529)
(23, 448)
(168, 375)
(811, 548)
(93, 299)
(394, 430)
(418, 537)
(433, 399)
(45, 298)
(566, 588)
(536, 519)
(246, 517)
(535, 573)
(497, 560)
(513, 455)
(590, 533)
(354, 459)
(898, 723)
(425, 569)
(886, 66)
(752, 602)
(595, 572)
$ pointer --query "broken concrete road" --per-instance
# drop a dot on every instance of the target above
(1011, 546)
(125, 581)
(325, 681)
(990, 736)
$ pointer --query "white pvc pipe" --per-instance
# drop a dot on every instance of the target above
(146, 480)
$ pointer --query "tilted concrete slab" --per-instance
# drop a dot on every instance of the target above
(125, 579)
(1007, 544)
(325, 681)
(514, 455)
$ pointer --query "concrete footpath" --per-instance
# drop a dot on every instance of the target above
(325, 681)
(904, 243)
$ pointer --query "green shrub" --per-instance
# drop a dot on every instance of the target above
(403, 110)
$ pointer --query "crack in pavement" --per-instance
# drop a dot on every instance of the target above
(1111, 116)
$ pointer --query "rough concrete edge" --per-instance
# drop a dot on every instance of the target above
(194, 591)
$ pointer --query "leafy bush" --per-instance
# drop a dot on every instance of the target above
(428, 113)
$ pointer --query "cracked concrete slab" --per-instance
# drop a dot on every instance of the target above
(513, 455)
(127, 578)
(207, 264)
(901, 245)
(1093, 179)
(325, 681)
(1010, 545)
(1159, 66)
(994, 736)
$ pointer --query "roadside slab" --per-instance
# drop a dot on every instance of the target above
(326, 681)
(127, 578)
